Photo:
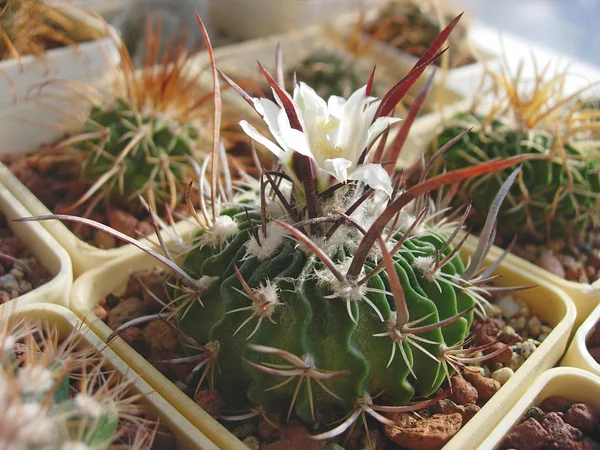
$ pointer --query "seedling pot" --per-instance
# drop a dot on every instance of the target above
(549, 303)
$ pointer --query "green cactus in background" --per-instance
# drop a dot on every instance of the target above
(143, 138)
(55, 395)
(152, 151)
(557, 191)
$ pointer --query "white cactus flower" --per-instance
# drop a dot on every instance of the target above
(334, 135)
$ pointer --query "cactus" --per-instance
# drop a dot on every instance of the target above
(323, 283)
(143, 137)
(556, 194)
(55, 395)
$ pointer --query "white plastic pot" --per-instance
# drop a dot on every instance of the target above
(29, 103)
(45, 249)
(186, 435)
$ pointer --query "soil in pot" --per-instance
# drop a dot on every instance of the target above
(557, 423)
(510, 334)
(410, 26)
(20, 271)
(593, 342)
(58, 392)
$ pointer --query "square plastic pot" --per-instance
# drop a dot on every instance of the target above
(572, 384)
(187, 436)
(46, 250)
(25, 108)
(549, 303)
(578, 354)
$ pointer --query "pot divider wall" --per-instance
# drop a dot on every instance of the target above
(45, 249)
(549, 303)
(575, 385)
(187, 436)
(578, 354)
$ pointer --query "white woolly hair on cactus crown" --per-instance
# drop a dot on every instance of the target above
(223, 228)
(343, 290)
(269, 244)
(74, 445)
(425, 265)
(35, 378)
(90, 406)
(30, 423)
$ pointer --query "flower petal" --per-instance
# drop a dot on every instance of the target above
(258, 137)
(338, 168)
(378, 127)
(373, 175)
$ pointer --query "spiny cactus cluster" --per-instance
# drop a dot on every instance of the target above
(55, 395)
(328, 287)
(143, 138)
(557, 191)
(30, 27)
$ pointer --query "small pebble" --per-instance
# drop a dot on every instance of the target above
(244, 430)
(475, 369)
(552, 264)
(251, 442)
(492, 310)
(8, 282)
(535, 326)
(503, 375)
(509, 306)
(333, 446)
(518, 323)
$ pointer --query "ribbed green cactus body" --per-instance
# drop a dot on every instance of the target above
(308, 322)
(162, 147)
(549, 201)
